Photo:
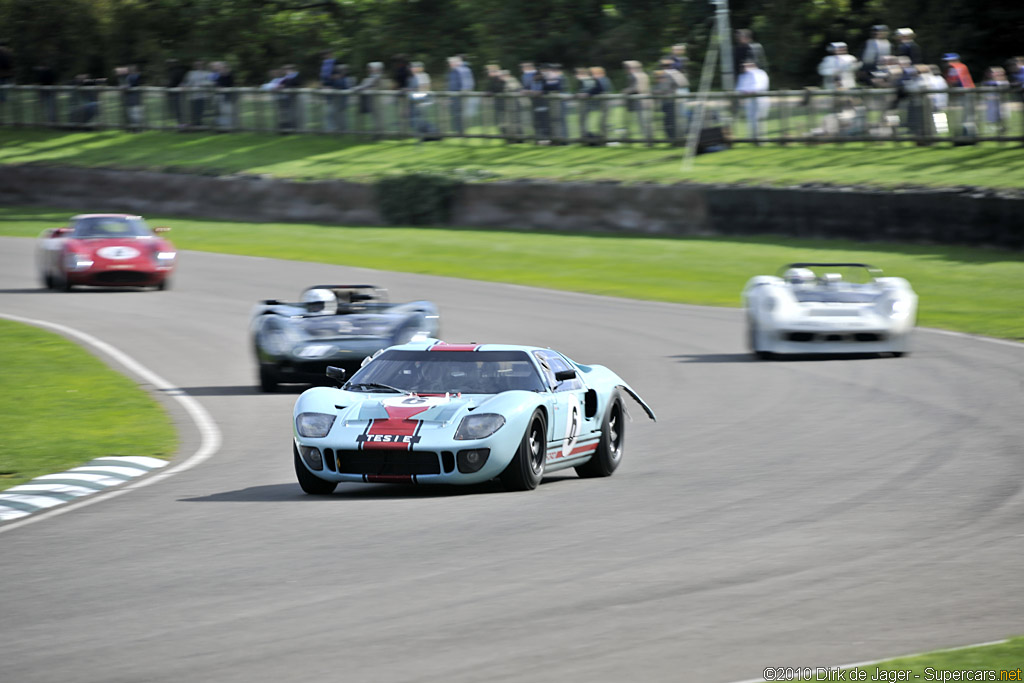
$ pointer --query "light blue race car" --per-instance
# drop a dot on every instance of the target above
(429, 412)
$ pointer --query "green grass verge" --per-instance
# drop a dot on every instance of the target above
(317, 157)
(61, 407)
(970, 290)
(1006, 659)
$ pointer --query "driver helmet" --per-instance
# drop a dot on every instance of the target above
(799, 277)
(320, 301)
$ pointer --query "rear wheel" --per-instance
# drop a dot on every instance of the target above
(310, 483)
(527, 468)
(609, 449)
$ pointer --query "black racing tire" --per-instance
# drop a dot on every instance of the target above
(163, 285)
(527, 467)
(310, 483)
(611, 446)
(48, 282)
(268, 379)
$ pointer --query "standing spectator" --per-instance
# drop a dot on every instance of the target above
(638, 83)
(327, 64)
(906, 46)
(288, 99)
(128, 80)
(197, 83)
(460, 79)
(224, 81)
(372, 81)
(838, 68)
(401, 75)
(958, 76)
(587, 87)
(84, 100)
(753, 79)
(337, 104)
(422, 102)
(679, 59)
(495, 87)
(47, 77)
(529, 74)
(995, 77)
(745, 49)
(554, 85)
(877, 48)
(669, 83)
(175, 76)
(6, 70)
(957, 73)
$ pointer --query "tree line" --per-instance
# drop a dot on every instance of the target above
(254, 36)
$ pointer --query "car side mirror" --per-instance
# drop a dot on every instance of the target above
(337, 374)
(563, 375)
(590, 403)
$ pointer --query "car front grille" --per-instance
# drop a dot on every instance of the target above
(819, 337)
(121, 277)
(387, 462)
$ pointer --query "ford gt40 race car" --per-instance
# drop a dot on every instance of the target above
(829, 308)
(429, 412)
(106, 250)
(336, 325)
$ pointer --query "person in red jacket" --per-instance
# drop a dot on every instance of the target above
(957, 74)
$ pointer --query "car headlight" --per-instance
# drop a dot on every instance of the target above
(314, 425)
(277, 341)
(164, 258)
(479, 426)
(76, 262)
(769, 304)
(899, 308)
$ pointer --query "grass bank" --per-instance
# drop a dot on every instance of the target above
(999, 662)
(970, 290)
(61, 407)
(319, 157)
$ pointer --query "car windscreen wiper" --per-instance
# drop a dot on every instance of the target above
(360, 386)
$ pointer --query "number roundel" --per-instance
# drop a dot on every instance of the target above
(572, 425)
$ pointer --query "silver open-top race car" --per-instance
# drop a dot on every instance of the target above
(337, 325)
(829, 308)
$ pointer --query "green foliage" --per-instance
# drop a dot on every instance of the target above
(257, 35)
(416, 198)
(46, 380)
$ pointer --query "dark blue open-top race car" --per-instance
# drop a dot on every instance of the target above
(336, 325)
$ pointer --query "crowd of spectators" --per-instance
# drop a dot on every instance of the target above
(202, 96)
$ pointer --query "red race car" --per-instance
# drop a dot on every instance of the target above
(105, 250)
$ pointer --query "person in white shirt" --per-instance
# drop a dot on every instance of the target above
(838, 69)
(754, 79)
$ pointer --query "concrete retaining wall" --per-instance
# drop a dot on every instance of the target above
(943, 217)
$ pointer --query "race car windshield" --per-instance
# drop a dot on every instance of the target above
(439, 372)
(110, 226)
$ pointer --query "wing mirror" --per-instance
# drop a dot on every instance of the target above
(564, 375)
(337, 374)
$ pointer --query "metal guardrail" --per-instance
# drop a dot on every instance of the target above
(960, 116)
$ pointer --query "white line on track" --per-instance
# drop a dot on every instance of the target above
(875, 661)
(210, 437)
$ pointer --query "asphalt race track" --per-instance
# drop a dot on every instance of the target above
(794, 513)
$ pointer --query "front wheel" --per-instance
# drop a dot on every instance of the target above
(268, 379)
(527, 468)
(311, 484)
(752, 340)
(609, 449)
